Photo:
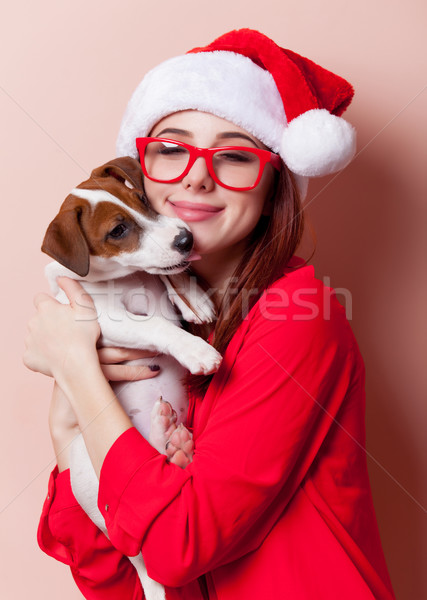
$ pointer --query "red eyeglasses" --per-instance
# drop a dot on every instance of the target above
(232, 167)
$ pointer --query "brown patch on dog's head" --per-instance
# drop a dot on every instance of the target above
(121, 177)
(80, 230)
(125, 169)
(110, 230)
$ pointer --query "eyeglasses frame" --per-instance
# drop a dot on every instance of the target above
(264, 156)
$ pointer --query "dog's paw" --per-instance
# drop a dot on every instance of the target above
(163, 424)
(202, 310)
(180, 447)
(198, 357)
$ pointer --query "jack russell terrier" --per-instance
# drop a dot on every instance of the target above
(108, 237)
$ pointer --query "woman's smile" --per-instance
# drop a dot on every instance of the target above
(194, 211)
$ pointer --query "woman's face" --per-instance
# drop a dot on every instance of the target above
(220, 219)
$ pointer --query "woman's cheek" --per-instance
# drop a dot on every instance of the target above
(157, 194)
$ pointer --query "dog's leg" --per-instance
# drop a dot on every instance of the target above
(152, 589)
(201, 309)
(84, 482)
(167, 438)
(163, 423)
(120, 328)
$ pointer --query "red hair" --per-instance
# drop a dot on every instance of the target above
(270, 247)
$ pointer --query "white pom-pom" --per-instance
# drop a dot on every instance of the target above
(317, 143)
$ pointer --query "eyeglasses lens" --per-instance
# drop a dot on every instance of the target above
(236, 168)
(166, 161)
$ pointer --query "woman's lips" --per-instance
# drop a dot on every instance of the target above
(192, 211)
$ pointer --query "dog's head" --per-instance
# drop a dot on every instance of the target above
(107, 218)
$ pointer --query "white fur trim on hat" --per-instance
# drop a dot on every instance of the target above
(225, 84)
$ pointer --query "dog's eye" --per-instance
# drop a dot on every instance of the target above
(118, 231)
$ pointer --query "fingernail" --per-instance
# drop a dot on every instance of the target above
(154, 367)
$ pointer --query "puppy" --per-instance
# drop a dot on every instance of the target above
(108, 237)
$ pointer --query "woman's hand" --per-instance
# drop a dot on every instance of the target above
(62, 338)
(112, 359)
(63, 423)
(62, 343)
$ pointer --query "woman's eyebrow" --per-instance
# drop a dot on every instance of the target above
(174, 131)
(226, 135)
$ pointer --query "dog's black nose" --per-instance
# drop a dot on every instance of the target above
(183, 242)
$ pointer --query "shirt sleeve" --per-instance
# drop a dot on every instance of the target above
(67, 534)
(278, 398)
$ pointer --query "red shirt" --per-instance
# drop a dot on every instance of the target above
(276, 503)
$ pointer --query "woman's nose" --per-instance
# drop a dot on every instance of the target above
(198, 177)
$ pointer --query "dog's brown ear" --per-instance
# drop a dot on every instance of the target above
(126, 169)
(64, 242)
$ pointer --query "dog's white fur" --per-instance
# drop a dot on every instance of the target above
(135, 310)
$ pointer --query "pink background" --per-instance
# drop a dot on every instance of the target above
(67, 70)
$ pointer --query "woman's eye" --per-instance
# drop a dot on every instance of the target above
(169, 150)
(118, 231)
(235, 156)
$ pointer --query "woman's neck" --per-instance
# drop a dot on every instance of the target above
(217, 270)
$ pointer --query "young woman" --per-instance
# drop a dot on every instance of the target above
(276, 502)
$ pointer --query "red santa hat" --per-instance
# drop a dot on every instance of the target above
(285, 100)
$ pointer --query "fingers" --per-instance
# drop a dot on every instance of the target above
(129, 372)
(75, 292)
(40, 298)
(115, 355)
(60, 335)
(111, 359)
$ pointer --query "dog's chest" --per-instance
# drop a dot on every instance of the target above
(137, 294)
